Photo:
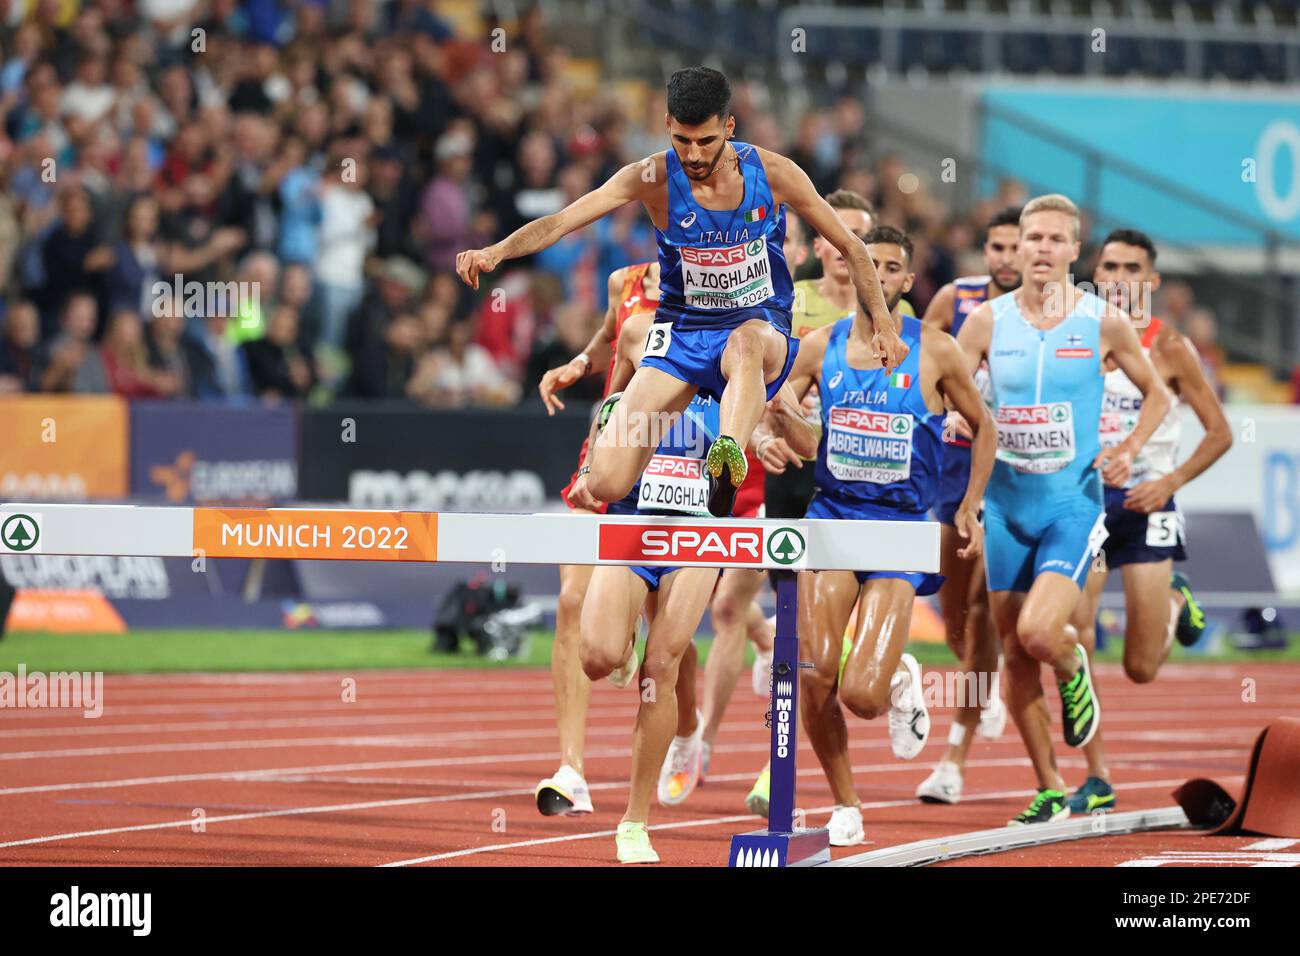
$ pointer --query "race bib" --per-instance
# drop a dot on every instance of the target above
(658, 339)
(1164, 529)
(869, 446)
(674, 483)
(730, 278)
(1038, 439)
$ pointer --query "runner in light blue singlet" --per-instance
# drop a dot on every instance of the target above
(1043, 507)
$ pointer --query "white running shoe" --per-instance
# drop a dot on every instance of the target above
(565, 793)
(762, 673)
(706, 755)
(681, 770)
(845, 827)
(993, 718)
(942, 786)
(909, 721)
(622, 675)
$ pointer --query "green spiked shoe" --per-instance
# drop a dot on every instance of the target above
(1191, 619)
(727, 468)
(1080, 709)
(1048, 807)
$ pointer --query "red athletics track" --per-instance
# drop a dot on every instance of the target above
(438, 767)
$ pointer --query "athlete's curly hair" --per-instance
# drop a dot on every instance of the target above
(697, 94)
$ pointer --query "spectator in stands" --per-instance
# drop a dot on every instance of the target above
(73, 363)
(88, 98)
(279, 367)
(165, 341)
(385, 368)
(395, 199)
(461, 373)
(396, 285)
(570, 334)
(259, 283)
(446, 205)
(217, 368)
(300, 204)
(573, 260)
(125, 356)
(436, 319)
(21, 362)
(138, 260)
(296, 291)
(198, 247)
(72, 256)
(346, 235)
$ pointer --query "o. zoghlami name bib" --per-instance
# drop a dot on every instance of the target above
(729, 278)
(674, 483)
(1038, 439)
(870, 446)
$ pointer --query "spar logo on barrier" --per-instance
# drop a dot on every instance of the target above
(20, 532)
(722, 545)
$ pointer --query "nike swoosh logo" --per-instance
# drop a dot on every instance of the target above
(916, 715)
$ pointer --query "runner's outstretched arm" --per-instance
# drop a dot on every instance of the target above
(626, 185)
(791, 185)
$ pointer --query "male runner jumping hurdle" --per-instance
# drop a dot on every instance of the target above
(723, 322)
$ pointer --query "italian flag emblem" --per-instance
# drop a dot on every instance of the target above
(900, 380)
(754, 215)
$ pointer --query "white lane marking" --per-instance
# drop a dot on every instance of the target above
(878, 805)
(456, 739)
(1216, 858)
(1273, 843)
(456, 797)
(255, 774)
(212, 726)
(461, 714)
(465, 737)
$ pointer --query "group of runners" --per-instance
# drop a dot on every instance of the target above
(1032, 418)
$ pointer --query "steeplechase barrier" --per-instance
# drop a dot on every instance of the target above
(501, 539)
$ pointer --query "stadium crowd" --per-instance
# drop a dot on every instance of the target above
(331, 166)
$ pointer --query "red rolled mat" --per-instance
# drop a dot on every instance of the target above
(1270, 800)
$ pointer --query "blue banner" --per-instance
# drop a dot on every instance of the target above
(191, 453)
(1240, 155)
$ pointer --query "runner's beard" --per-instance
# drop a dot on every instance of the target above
(1005, 288)
(712, 166)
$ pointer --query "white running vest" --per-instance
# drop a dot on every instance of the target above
(1120, 406)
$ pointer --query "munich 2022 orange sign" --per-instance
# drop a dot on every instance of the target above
(316, 534)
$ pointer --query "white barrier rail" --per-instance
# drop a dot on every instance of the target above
(317, 533)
